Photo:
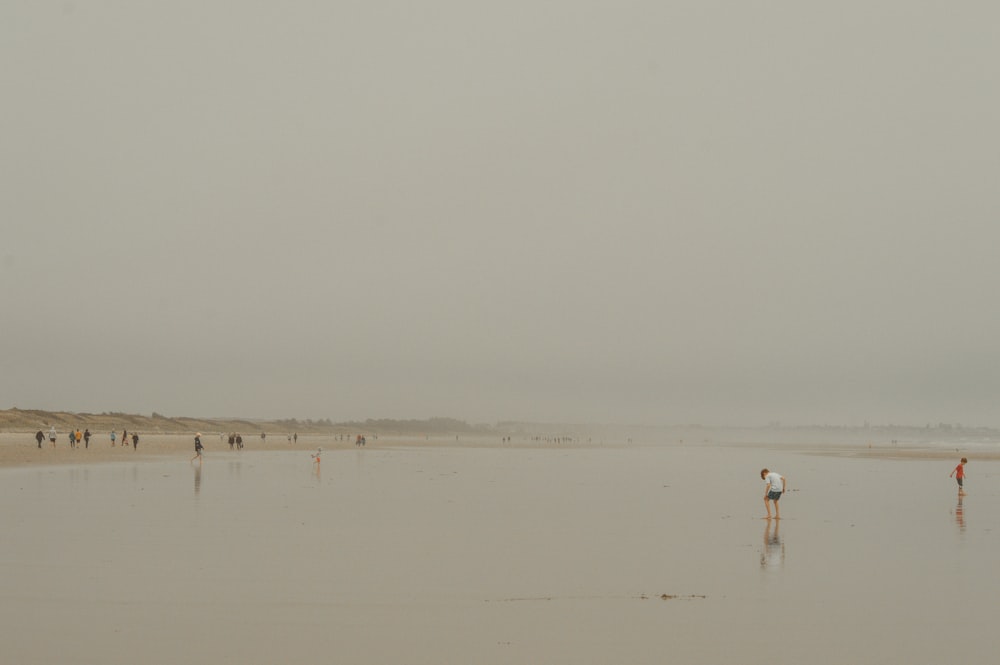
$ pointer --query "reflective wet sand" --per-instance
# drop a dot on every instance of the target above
(497, 555)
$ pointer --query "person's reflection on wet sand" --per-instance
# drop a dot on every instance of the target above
(317, 458)
(197, 479)
(960, 514)
(772, 556)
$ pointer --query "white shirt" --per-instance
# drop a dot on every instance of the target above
(774, 483)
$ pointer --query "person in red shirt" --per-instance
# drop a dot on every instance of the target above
(959, 473)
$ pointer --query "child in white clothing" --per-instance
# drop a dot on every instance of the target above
(773, 489)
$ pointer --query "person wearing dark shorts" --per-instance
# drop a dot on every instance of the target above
(39, 437)
(197, 448)
(959, 473)
(773, 489)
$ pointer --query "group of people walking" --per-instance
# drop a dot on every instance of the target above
(125, 439)
(76, 437)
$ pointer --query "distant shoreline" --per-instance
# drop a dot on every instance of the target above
(19, 449)
(30, 420)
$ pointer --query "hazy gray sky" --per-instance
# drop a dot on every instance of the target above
(650, 212)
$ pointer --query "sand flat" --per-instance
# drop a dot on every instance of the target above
(454, 554)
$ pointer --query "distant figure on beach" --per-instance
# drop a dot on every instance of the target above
(112, 438)
(39, 437)
(197, 448)
(72, 439)
(296, 437)
(316, 464)
(262, 435)
(135, 441)
(232, 440)
(124, 437)
(79, 437)
(86, 438)
(239, 441)
(52, 435)
(773, 489)
(959, 473)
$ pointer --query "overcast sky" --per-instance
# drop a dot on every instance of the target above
(648, 212)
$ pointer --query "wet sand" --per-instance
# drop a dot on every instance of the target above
(21, 448)
(409, 552)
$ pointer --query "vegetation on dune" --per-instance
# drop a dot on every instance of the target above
(31, 419)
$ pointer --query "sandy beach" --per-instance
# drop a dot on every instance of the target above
(578, 271)
(451, 552)
(21, 449)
